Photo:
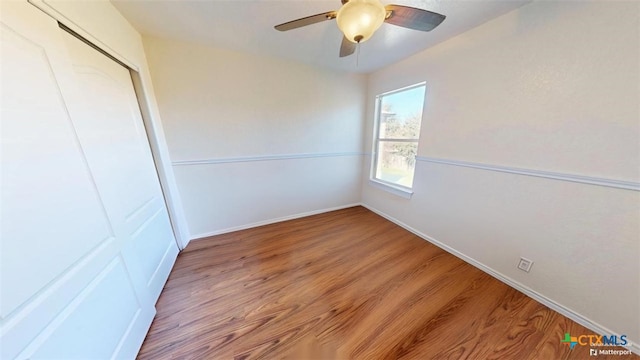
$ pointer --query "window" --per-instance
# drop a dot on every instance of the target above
(398, 117)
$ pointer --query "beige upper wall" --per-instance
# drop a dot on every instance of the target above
(553, 86)
(218, 103)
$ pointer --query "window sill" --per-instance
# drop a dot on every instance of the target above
(396, 190)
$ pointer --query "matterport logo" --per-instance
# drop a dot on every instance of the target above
(596, 342)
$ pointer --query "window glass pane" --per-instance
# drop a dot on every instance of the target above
(396, 162)
(401, 114)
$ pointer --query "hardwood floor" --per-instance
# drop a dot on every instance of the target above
(345, 285)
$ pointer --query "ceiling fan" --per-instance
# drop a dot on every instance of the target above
(359, 19)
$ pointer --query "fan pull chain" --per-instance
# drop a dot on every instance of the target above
(357, 53)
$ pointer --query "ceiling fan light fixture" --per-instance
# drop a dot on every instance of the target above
(359, 19)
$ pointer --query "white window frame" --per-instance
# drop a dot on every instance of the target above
(393, 188)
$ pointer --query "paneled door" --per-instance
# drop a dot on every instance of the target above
(86, 243)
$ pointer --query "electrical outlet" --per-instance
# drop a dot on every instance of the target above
(525, 264)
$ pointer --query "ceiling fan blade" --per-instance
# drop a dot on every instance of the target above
(307, 21)
(347, 47)
(412, 18)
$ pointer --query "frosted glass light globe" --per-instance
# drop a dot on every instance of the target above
(359, 19)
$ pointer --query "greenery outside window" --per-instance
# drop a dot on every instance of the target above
(397, 132)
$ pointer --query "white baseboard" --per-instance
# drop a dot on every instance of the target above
(584, 321)
(270, 221)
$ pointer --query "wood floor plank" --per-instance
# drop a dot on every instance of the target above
(346, 284)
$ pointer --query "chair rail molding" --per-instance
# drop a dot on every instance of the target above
(237, 159)
(618, 184)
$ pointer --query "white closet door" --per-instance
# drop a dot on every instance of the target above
(85, 242)
(114, 141)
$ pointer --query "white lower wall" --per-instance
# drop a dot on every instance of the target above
(549, 88)
(226, 196)
(582, 238)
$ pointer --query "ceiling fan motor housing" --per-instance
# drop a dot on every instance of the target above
(359, 19)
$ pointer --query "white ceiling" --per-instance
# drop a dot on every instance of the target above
(247, 26)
